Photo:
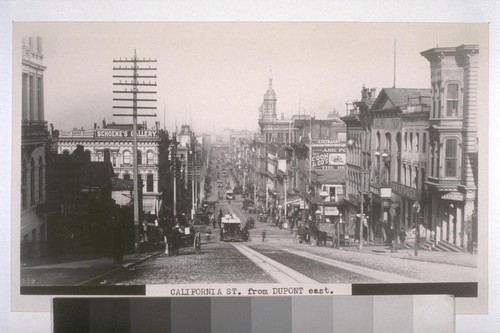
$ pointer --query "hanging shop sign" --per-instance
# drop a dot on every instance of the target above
(453, 196)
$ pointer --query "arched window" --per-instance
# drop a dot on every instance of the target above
(32, 182)
(378, 141)
(126, 157)
(126, 176)
(388, 141)
(406, 141)
(451, 158)
(150, 157)
(40, 179)
(24, 184)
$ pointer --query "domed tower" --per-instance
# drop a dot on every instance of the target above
(267, 110)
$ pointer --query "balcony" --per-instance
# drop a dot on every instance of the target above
(33, 131)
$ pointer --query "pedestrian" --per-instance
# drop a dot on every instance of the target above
(264, 235)
(176, 239)
(402, 237)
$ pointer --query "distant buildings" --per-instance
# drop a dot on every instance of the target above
(291, 161)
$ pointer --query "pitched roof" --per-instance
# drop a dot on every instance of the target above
(401, 97)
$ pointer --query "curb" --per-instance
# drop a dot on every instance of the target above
(378, 252)
(119, 269)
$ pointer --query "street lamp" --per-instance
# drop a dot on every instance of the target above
(416, 210)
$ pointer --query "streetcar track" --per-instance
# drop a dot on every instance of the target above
(279, 272)
(369, 272)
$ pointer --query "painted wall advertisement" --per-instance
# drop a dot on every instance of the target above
(329, 156)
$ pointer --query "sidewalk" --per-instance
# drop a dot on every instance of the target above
(76, 270)
(275, 235)
(450, 258)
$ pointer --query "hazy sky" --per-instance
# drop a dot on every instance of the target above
(215, 74)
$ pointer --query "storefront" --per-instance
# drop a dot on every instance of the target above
(380, 221)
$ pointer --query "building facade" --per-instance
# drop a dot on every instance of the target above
(34, 136)
(117, 139)
(452, 158)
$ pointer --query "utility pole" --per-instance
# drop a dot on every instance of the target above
(174, 173)
(132, 69)
(361, 214)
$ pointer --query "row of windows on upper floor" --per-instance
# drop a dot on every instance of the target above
(126, 157)
(442, 164)
(149, 181)
(411, 141)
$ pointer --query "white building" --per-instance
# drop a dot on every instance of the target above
(118, 140)
(33, 140)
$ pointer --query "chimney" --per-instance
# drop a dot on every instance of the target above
(104, 123)
(95, 125)
(373, 93)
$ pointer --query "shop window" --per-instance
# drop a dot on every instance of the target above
(451, 157)
(452, 100)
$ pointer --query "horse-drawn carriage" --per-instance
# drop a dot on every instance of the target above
(182, 237)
